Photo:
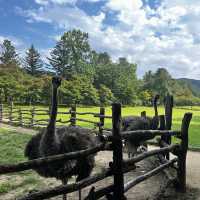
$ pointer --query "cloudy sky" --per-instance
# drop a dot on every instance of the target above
(152, 33)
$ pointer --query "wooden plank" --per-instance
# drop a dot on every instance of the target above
(168, 118)
(143, 114)
(101, 120)
(1, 112)
(181, 172)
(65, 189)
(147, 134)
(10, 168)
(149, 174)
(85, 120)
(73, 116)
(147, 154)
(117, 166)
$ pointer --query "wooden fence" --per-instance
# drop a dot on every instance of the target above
(119, 166)
(32, 117)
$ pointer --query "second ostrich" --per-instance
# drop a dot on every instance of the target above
(131, 123)
(52, 141)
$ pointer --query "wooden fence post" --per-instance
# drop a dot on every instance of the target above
(168, 118)
(1, 112)
(101, 120)
(10, 113)
(32, 117)
(162, 127)
(143, 114)
(20, 117)
(181, 172)
(73, 116)
(117, 165)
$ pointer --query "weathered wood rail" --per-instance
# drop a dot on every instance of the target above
(119, 166)
(32, 117)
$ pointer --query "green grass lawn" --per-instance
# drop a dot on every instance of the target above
(178, 113)
(14, 185)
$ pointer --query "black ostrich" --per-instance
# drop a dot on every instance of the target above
(52, 141)
(131, 123)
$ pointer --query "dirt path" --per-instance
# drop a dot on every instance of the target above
(19, 129)
(193, 169)
(143, 191)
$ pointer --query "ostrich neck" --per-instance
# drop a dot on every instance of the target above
(53, 115)
(49, 141)
(155, 108)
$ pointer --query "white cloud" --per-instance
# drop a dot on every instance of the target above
(165, 37)
(15, 41)
(46, 2)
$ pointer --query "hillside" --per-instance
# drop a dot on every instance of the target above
(194, 85)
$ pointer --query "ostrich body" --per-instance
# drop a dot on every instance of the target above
(52, 141)
(131, 123)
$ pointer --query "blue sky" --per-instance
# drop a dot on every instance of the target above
(152, 33)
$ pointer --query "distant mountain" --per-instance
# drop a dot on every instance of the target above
(193, 84)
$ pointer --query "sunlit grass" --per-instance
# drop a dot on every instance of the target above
(178, 113)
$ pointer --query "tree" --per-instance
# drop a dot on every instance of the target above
(105, 95)
(103, 58)
(162, 81)
(78, 90)
(148, 81)
(159, 82)
(8, 54)
(120, 78)
(146, 97)
(71, 54)
(33, 63)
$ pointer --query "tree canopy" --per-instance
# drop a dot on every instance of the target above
(89, 77)
(8, 53)
(32, 62)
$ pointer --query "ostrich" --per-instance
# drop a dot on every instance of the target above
(131, 123)
(52, 141)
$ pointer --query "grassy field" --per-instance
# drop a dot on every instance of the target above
(178, 113)
(13, 185)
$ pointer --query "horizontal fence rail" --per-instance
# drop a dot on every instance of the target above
(153, 172)
(4, 169)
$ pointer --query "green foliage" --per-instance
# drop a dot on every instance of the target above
(70, 51)
(145, 96)
(119, 77)
(162, 83)
(79, 90)
(33, 63)
(8, 54)
(70, 91)
(105, 95)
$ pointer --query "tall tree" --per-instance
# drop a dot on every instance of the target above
(33, 63)
(119, 77)
(8, 53)
(71, 54)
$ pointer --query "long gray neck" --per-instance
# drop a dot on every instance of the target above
(54, 105)
(155, 107)
(49, 140)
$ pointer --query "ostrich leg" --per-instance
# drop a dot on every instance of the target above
(64, 182)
